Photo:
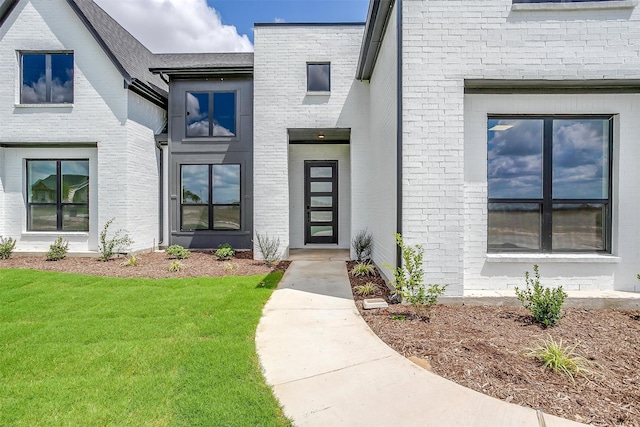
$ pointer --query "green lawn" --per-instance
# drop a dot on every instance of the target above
(92, 351)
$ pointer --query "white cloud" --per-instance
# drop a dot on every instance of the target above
(279, 20)
(174, 26)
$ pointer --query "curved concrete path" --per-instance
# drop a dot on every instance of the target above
(327, 368)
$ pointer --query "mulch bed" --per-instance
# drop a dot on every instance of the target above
(154, 265)
(482, 348)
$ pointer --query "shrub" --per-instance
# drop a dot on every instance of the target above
(362, 244)
(132, 261)
(555, 356)
(229, 266)
(363, 269)
(269, 248)
(224, 252)
(409, 279)
(118, 243)
(178, 251)
(7, 245)
(176, 266)
(366, 290)
(545, 304)
(58, 250)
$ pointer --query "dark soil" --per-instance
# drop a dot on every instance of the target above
(151, 265)
(483, 347)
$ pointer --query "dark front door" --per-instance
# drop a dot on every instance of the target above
(321, 201)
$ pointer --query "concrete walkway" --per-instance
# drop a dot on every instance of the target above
(327, 368)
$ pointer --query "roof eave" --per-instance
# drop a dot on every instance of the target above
(377, 20)
(6, 9)
(204, 71)
(153, 95)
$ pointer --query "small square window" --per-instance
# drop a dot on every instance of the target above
(319, 77)
(211, 114)
(46, 78)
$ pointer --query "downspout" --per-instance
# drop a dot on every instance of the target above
(399, 172)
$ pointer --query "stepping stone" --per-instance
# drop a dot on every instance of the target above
(368, 304)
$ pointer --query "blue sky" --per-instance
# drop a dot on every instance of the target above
(173, 26)
(243, 13)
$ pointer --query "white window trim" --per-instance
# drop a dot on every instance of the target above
(531, 258)
(572, 6)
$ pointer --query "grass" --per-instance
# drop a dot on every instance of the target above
(559, 358)
(82, 350)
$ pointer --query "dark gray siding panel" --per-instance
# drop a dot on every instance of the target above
(219, 150)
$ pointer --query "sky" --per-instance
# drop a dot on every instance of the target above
(174, 26)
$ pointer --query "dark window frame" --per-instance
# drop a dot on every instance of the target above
(547, 201)
(60, 205)
(309, 64)
(48, 75)
(210, 204)
(211, 113)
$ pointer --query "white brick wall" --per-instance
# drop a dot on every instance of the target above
(445, 42)
(374, 160)
(281, 102)
(99, 115)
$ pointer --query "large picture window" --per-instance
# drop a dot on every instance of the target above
(210, 198)
(58, 195)
(46, 78)
(211, 114)
(549, 184)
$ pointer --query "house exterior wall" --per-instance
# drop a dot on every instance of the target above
(281, 102)
(298, 153)
(211, 150)
(377, 161)
(99, 118)
(446, 42)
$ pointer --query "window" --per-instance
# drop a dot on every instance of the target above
(319, 77)
(549, 184)
(58, 195)
(210, 197)
(211, 114)
(47, 78)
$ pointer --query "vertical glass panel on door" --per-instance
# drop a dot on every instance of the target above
(581, 159)
(62, 78)
(224, 114)
(579, 226)
(515, 158)
(75, 181)
(197, 114)
(321, 216)
(321, 230)
(321, 202)
(514, 226)
(226, 184)
(195, 217)
(226, 217)
(195, 184)
(43, 217)
(321, 187)
(321, 172)
(75, 218)
(43, 181)
(34, 80)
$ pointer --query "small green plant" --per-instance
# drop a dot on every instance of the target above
(269, 248)
(409, 279)
(114, 245)
(398, 317)
(228, 266)
(58, 250)
(132, 261)
(7, 245)
(559, 358)
(224, 252)
(175, 266)
(545, 304)
(362, 245)
(363, 269)
(367, 289)
(177, 251)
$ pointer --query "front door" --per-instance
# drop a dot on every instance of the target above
(321, 201)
